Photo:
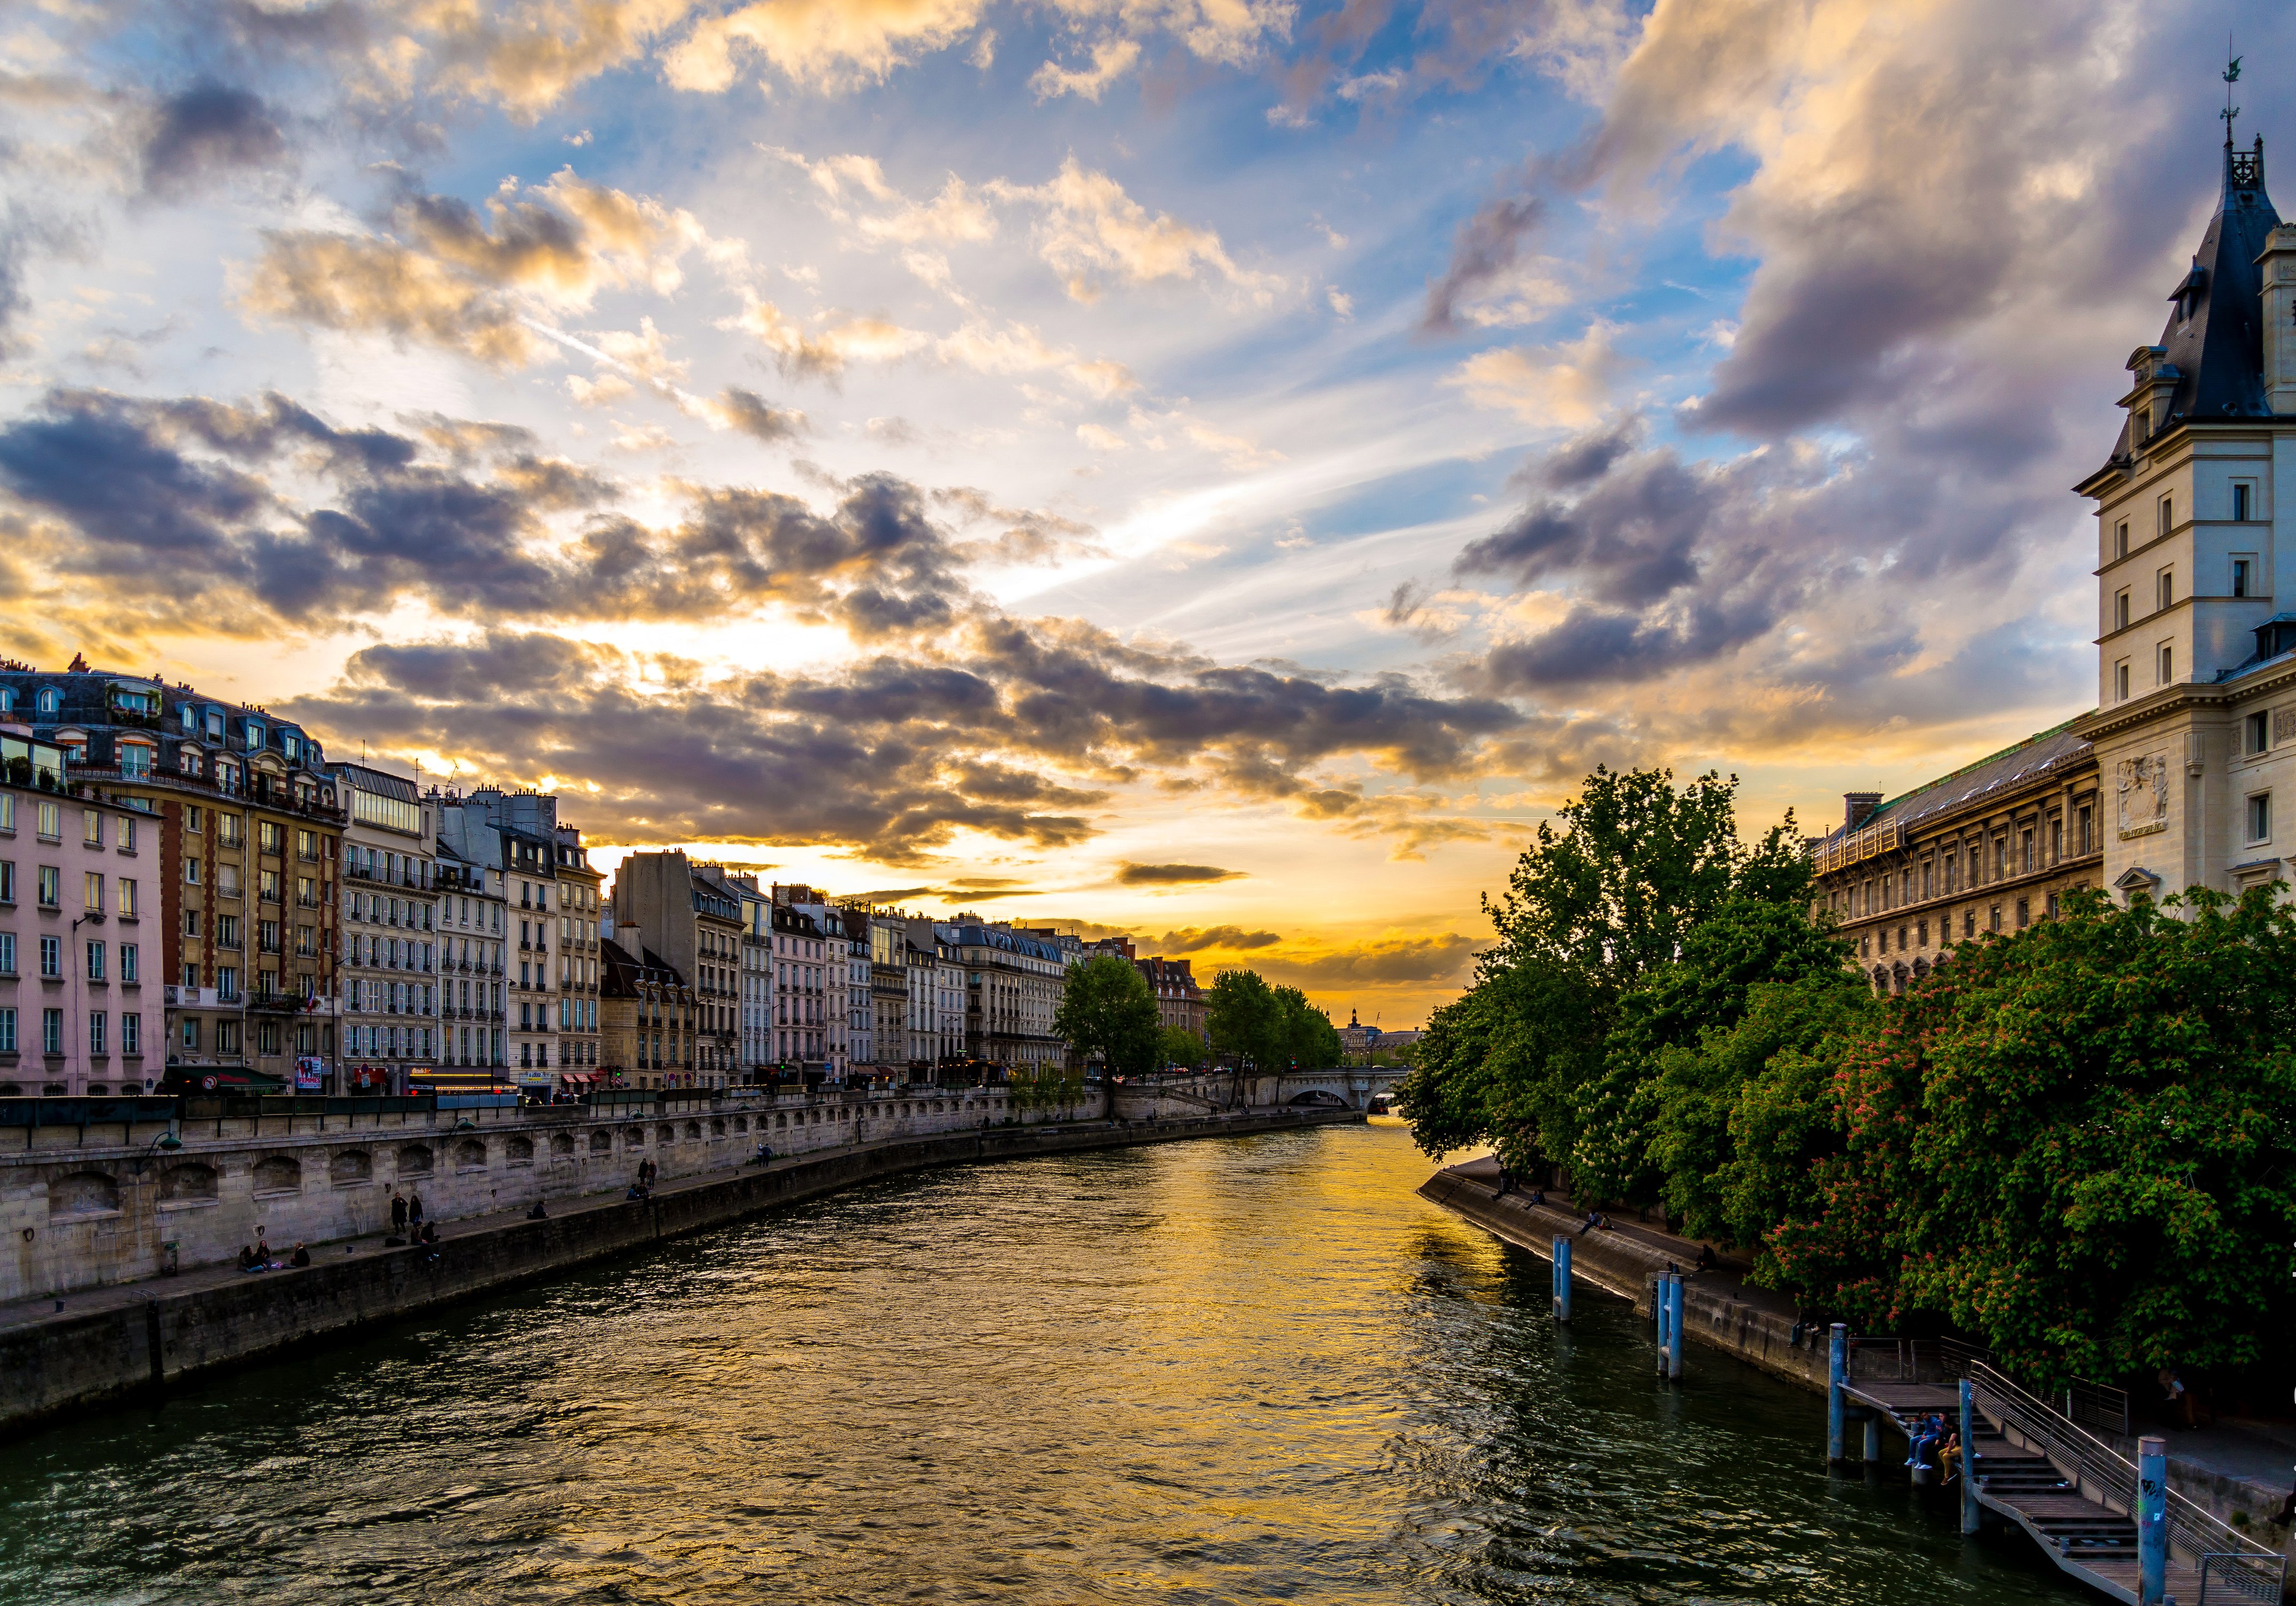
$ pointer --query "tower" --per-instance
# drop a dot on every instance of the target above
(2193, 619)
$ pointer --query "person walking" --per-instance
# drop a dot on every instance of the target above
(398, 1213)
(414, 1211)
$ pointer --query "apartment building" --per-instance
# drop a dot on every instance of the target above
(692, 921)
(390, 941)
(473, 918)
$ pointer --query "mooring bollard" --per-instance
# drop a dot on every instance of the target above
(1562, 1280)
(1968, 1456)
(1674, 1327)
(1659, 1309)
(1837, 1375)
(2151, 1521)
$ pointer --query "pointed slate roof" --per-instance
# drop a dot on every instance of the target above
(2215, 334)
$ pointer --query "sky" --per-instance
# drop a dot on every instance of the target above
(1219, 470)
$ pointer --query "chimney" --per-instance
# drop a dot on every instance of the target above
(1857, 808)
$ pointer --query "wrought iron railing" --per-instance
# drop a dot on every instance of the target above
(2110, 1478)
(2099, 1405)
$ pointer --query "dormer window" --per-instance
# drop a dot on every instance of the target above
(50, 701)
(254, 736)
(191, 717)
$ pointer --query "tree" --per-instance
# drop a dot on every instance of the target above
(2079, 1141)
(1108, 1012)
(1310, 1041)
(1245, 1022)
(1182, 1047)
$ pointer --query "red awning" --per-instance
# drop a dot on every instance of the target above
(577, 1078)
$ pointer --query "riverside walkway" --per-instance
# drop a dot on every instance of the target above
(2071, 1490)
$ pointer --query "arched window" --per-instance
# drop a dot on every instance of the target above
(51, 700)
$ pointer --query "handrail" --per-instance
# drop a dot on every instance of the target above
(2192, 1531)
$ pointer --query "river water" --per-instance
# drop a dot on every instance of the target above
(1241, 1369)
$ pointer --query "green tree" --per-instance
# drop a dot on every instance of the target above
(1310, 1041)
(1658, 1116)
(1108, 1012)
(1182, 1047)
(2079, 1141)
(1245, 1022)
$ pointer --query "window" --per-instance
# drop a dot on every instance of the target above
(270, 837)
(2240, 573)
(191, 1033)
(131, 1035)
(52, 822)
(96, 1022)
(191, 872)
(2121, 681)
(7, 881)
(2120, 610)
(2024, 914)
(51, 1031)
(2240, 495)
(226, 991)
(2167, 665)
(268, 883)
(306, 844)
(255, 730)
(227, 931)
(7, 1031)
(96, 961)
(7, 954)
(51, 956)
(2025, 850)
(124, 838)
(2257, 731)
(91, 828)
(2164, 589)
(134, 758)
(1993, 918)
(91, 891)
(52, 886)
(2259, 817)
(2167, 522)
(1969, 922)
(50, 700)
(226, 1040)
(130, 963)
(195, 820)
(2120, 539)
(126, 898)
(2088, 837)
(228, 830)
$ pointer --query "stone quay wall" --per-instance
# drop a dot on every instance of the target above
(89, 1205)
(52, 1366)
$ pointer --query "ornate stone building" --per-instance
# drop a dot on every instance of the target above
(2195, 726)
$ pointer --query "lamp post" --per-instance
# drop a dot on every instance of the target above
(167, 1142)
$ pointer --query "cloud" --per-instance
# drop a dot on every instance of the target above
(1381, 962)
(207, 128)
(748, 412)
(1111, 59)
(1094, 234)
(1223, 939)
(1561, 386)
(824, 354)
(825, 44)
(1129, 874)
(448, 275)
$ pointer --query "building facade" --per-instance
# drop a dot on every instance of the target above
(247, 828)
(2194, 732)
(387, 919)
(1179, 1002)
(81, 1011)
(473, 914)
(647, 1017)
(1994, 846)
(1013, 984)
(692, 921)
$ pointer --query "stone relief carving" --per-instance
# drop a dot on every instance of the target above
(2284, 723)
(2144, 789)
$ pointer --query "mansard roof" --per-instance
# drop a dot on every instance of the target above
(2054, 751)
(2214, 339)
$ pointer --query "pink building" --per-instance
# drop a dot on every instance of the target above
(80, 944)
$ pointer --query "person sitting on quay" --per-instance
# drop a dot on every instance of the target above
(262, 1252)
(246, 1258)
(1594, 1220)
(1706, 1260)
(300, 1257)
(537, 1213)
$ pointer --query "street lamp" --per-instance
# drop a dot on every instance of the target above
(167, 1142)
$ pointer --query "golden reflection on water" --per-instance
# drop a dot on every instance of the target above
(1245, 1369)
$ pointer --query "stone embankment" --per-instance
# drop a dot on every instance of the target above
(1757, 1326)
(125, 1339)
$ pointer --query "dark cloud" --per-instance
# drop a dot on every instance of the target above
(1227, 939)
(1384, 962)
(207, 130)
(1630, 537)
(1171, 874)
(748, 411)
(1488, 244)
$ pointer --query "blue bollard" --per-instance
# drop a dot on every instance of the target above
(1674, 1329)
(1837, 1375)
(1562, 1280)
(2151, 1521)
(1659, 1308)
(1968, 1456)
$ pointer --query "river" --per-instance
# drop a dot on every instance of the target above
(1242, 1369)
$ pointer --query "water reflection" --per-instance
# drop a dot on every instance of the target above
(1246, 1370)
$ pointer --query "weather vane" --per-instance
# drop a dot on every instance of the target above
(2231, 77)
